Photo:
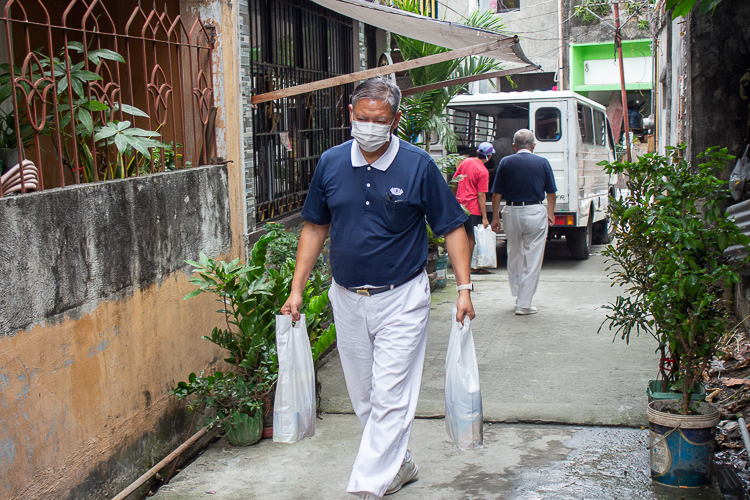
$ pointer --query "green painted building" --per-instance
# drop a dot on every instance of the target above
(593, 67)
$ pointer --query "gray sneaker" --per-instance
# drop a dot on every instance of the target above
(524, 311)
(406, 474)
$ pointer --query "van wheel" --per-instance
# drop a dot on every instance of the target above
(603, 232)
(579, 243)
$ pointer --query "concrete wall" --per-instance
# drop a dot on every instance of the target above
(93, 329)
(94, 332)
(576, 31)
(536, 25)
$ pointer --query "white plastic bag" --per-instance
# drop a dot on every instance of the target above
(294, 406)
(485, 247)
(463, 396)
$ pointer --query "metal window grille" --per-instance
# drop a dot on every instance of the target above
(164, 70)
(291, 43)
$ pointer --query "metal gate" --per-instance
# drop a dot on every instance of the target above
(291, 43)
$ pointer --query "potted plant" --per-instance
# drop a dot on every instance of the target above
(250, 296)
(671, 231)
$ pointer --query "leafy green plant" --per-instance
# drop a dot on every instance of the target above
(424, 112)
(250, 296)
(93, 122)
(126, 139)
(588, 10)
(8, 132)
(671, 231)
(683, 7)
(225, 393)
(284, 247)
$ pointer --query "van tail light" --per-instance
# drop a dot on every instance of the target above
(564, 220)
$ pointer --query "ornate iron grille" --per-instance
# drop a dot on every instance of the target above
(145, 68)
(291, 43)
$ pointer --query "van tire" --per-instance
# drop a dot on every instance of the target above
(603, 232)
(579, 242)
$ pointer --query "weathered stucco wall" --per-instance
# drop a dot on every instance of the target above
(94, 328)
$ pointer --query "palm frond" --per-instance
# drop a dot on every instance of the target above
(423, 113)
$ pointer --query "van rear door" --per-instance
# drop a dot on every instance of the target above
(549, 124)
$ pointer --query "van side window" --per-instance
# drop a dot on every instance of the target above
(459, 120)
(547, 124)
(484, 128)
(600, 129)
(585, 124)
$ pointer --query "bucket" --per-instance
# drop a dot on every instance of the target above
(654, 393)
(244, 430)
(441, 268)
(681, 445)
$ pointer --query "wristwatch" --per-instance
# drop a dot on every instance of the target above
(468, 286)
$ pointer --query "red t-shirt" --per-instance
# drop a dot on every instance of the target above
(476, 180)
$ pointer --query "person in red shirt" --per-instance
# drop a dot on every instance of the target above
(473, 184)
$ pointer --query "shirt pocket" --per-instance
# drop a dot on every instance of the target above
(399, 215)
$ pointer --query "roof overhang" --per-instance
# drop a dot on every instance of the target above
(426, 29)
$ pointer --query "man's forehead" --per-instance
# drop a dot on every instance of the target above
(366, 105)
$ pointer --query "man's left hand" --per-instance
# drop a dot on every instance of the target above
(464, 307)
(485, 222)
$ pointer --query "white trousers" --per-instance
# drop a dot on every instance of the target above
(526, 229)
(381, 341)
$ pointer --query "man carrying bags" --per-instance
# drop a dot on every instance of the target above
(373, 194)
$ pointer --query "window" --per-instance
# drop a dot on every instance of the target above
(547, 124)
(585, 124)
(484, 128)
(505, 5)
(459, 122)
(600, 129)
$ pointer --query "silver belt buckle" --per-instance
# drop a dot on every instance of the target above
(363, 291)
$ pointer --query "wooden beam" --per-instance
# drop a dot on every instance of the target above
(467, 79)
(383, 70)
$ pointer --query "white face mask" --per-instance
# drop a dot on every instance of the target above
(371, 136)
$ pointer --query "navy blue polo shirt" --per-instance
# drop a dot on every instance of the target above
(524, 177)
(377, 212)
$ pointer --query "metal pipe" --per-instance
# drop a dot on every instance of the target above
(745, 438)
(618, 43)
(156, 468)
(560, 62)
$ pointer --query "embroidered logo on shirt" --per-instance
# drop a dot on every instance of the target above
(397, 191)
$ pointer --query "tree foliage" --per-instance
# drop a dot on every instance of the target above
(423, 113)
(671, 232)
(682, 7)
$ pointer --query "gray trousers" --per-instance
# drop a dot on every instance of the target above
(526, 229)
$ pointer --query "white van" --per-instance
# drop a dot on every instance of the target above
(571, 131)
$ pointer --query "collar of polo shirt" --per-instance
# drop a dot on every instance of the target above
(524, 150)
(381, 163)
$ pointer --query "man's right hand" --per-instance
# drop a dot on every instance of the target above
(292, 306)
(495, 226)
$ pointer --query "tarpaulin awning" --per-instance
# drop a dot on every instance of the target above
(464, 41)
(426, 29)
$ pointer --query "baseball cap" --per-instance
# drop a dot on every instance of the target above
(485, 148)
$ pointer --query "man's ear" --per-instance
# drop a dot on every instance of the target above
(395, 122)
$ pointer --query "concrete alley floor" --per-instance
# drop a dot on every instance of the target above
(552, 391)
